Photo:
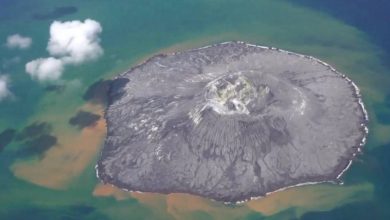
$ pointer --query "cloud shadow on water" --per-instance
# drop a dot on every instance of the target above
(98, 92)
(6, 137)
(33, 130)
(84, 119)
(37, 146)
(105, 91)
(34, 140)
(55, 88)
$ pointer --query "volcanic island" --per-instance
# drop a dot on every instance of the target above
(230, 122)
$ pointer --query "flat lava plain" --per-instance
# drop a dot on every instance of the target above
(229, 122)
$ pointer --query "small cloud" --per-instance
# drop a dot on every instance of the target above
(70, 43)
(19, 42)
(4, 91)
(45, 69)
(75, 41)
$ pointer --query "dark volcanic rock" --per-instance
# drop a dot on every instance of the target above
(84, 119)
(230, 122)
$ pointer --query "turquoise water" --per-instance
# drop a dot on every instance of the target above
(46, 180)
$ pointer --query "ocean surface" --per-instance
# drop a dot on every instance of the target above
(47, 163)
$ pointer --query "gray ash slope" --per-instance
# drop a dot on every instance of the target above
(229, 122)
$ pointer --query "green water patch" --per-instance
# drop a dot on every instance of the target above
(54, 212)
(383, 114)
(382, 110)
(55, 13)
(199, 215)
(254, 216)
(357, 211)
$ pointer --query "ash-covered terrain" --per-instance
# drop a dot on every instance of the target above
(229, 122)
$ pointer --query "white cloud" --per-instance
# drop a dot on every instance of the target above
(75, 41)
(45, 69)
(18, 41)
(4, 91)
(70, 43)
